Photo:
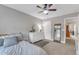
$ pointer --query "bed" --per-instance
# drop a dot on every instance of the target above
(22, 48)
(15, 45)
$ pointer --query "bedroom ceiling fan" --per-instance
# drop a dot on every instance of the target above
(46, 8)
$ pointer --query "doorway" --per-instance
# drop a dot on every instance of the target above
(57, 33)
(70, 33)
(67, 31)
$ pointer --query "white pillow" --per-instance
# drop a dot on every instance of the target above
(10, 41)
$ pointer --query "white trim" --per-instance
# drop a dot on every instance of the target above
(73, 19)
(63, 42)
(64, 31)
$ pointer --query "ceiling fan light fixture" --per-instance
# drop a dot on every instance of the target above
(45, 11)
(46, 8)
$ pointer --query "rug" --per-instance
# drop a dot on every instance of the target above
(41, 43)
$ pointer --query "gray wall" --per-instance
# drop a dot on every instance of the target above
(12, 21)
(47, 29)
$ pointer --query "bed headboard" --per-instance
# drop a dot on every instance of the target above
(3, 34)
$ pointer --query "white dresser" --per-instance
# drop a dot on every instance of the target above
(35, 36)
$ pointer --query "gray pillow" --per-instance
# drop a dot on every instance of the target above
(18, 35)
(1, 42)
(10, 41)
(25, 36)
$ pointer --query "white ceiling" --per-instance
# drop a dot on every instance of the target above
(31, 9)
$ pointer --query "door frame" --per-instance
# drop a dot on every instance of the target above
(60, 32)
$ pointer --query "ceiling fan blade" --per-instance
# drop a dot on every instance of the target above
(40, 11)
(50, 5)
(45, 6)
(52, 9)
(38, 6)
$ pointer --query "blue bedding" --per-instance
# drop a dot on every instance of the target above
(22, 48)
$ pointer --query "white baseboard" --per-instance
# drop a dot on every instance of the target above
(63, 42)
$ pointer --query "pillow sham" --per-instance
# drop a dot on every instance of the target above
(10, 41)
(25, 36)
(1, 41)
(18, 35)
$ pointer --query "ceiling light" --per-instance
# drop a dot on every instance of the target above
(45, 11)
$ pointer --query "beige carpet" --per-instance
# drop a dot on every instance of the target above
(54, 48)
